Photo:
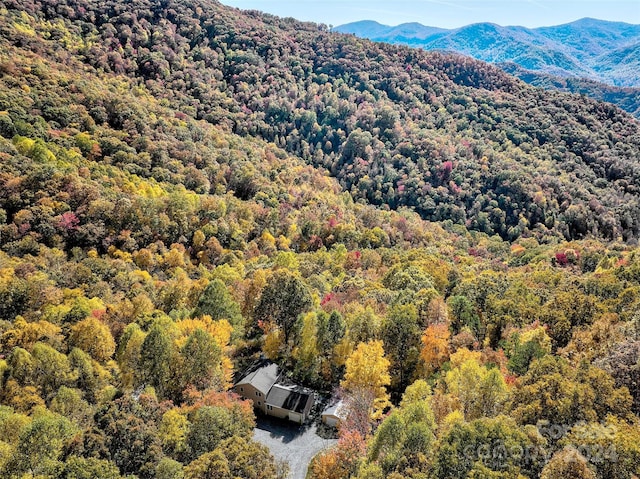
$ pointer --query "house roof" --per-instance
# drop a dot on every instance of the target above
(337, 409)
(262, 377)
(291, 398)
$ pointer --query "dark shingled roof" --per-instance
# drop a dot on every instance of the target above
(290, 398)
(262, 378)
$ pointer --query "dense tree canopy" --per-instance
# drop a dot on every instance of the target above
(167, 217)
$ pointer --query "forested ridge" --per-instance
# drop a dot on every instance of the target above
(453, 138)
(626, 98)
(587, 56)
(168, 215)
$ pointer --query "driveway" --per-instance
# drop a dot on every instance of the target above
(291, 443)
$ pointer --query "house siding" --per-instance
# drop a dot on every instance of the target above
(247, 391)
(293, 416)
(330, 420)
(335, 413)
(277, 412)
(308, 407)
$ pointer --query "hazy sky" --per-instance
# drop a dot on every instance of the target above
(448, 13)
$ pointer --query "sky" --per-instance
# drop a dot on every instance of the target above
(448, 13)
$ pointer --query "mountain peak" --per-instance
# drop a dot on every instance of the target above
(369, 23)
(590, 21)
(587, 48)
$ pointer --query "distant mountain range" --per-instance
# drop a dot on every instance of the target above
(605, 54)
(603, 51)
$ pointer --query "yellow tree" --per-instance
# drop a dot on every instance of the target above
(306, 352)
(367, 368)
(435, 347)
(94, 338)
(128, 355)
(25, 335)
(480, 392)
(273, 340)
(173, 430)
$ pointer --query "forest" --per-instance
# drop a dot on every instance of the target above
(626, 98)
(452, 138)
(185, 187)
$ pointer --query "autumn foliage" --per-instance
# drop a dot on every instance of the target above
(163, 224)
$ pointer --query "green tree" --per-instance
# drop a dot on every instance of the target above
(21, 365)
(12, 424)
(331, 330)
(401, 335)
(130, 433)
(496, 444)
(76, 467)
(40, 446)
(210, 425)
(217, 302)
(210, 465)
(556, 392)
(402, 277)
(567, 310)
(481, 392)
(416, 392)
(364, 325)
(405, 439)
(69, 403)
(236, 457)
(201, 361)
(464, 314)
(157, 354)
(51, 369)
(169, 469)
(91, 378)
(129, 356)
(283, 299)
(523, 354)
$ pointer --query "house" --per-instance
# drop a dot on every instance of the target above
(289, 402)
(334, 413)
(260, 385)
(257, 383)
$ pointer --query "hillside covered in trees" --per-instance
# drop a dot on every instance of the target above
(452, 138)
(626, 98)
(591, 57)
(168, 214)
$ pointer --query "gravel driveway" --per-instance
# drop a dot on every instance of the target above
(291, 443)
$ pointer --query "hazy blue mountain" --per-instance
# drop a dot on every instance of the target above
(622, 63)
(602, 51)
(626, 98)
(378, 32)
(589, 37)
